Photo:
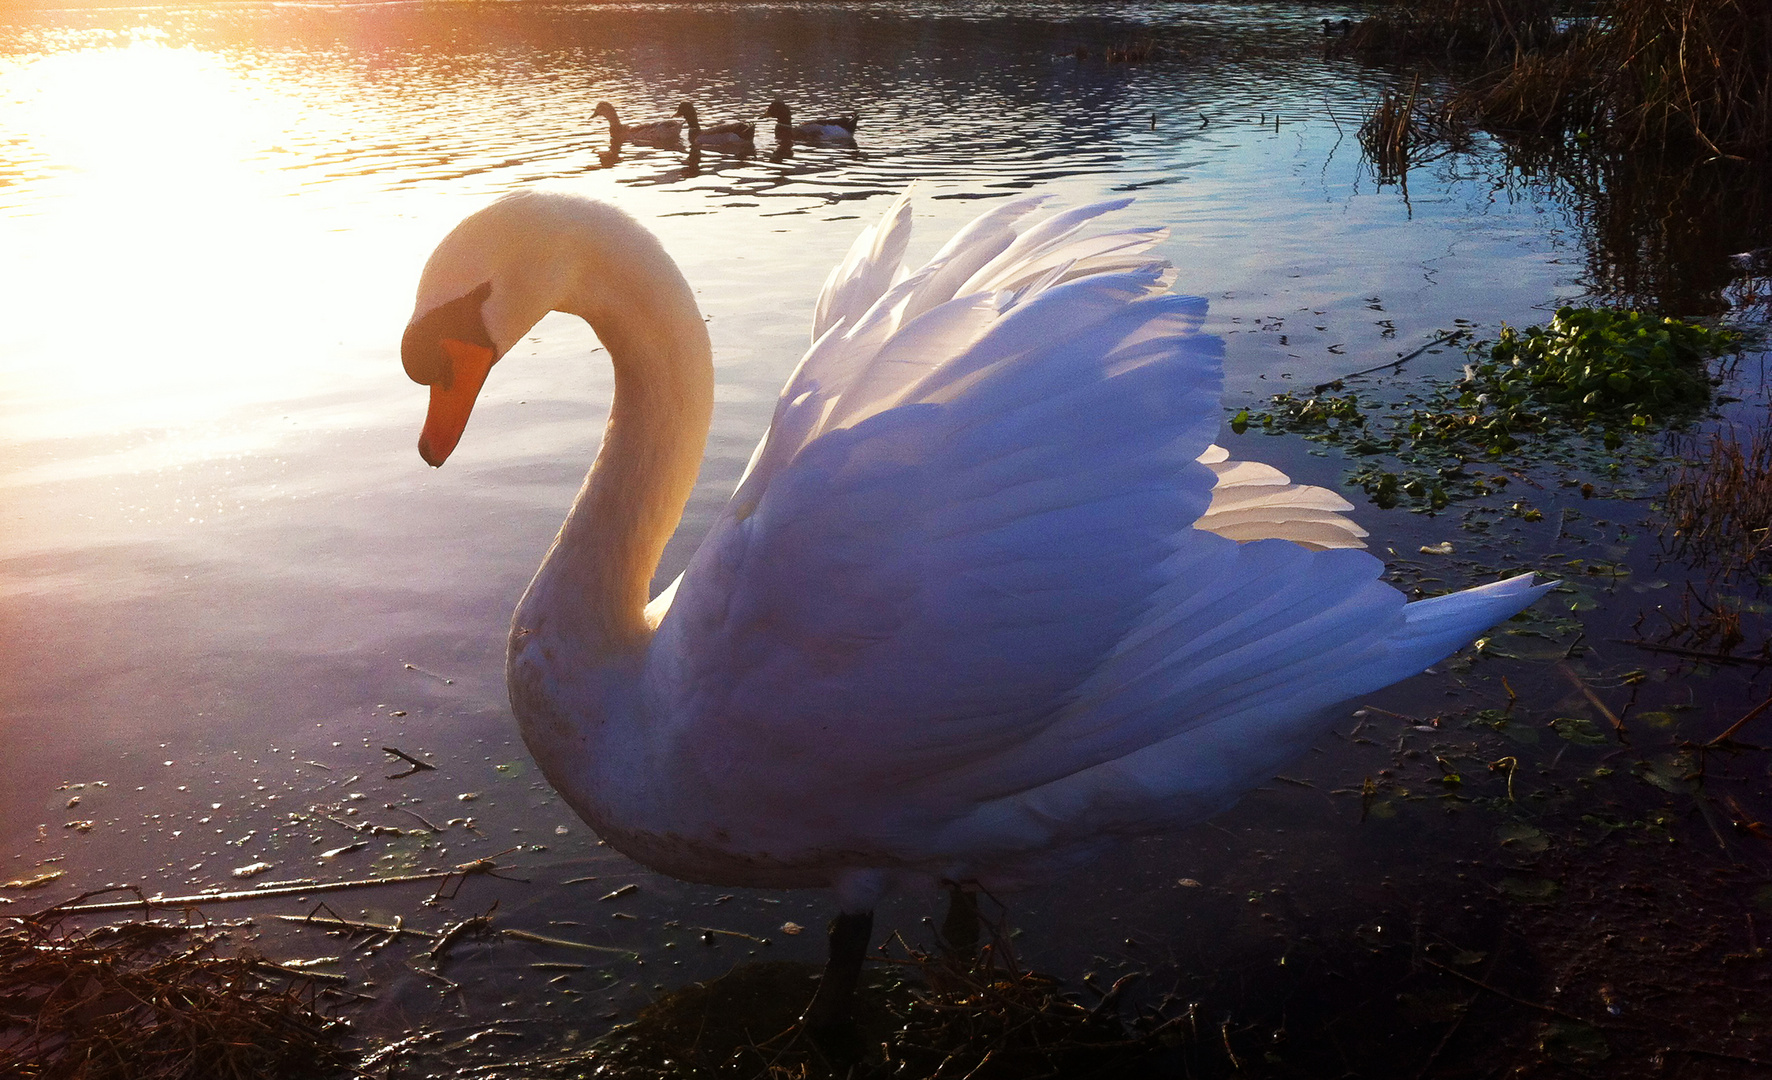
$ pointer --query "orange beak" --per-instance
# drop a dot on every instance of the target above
(452, 398)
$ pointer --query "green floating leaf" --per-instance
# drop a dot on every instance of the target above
(1668, 774)
(1530, 890)
(1579, 731)
(1525, 734)
(1656, 719)
(1521, 837)
(1573, 1044)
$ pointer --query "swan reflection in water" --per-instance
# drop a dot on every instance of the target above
(987, 599)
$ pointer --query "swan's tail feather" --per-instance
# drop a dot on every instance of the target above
(1435, 628)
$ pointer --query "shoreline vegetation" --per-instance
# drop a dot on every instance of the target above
(1663, 76)
(1655, 115)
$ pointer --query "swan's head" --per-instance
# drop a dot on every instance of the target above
(488, 282)
(604, 110)
(777, 110)
(449, 350)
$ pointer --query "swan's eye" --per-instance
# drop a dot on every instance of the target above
(421, 347)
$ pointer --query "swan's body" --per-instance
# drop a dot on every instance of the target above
(987, 599)
(829, 129)
(729, 137)
(663, 134)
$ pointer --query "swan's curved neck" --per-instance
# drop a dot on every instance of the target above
(594, 582)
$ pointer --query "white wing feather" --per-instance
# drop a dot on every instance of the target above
(985, 564)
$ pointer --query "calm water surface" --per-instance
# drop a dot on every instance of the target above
(226, 578)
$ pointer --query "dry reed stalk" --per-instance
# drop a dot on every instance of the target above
(154, 1001)
(1642, 74)
(1454, 30)
(1407, 128)
(1718, 512)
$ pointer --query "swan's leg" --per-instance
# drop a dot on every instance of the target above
(959, 930)
(850, 933)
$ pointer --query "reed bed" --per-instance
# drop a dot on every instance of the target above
(1718, 510)
(149, 1000)
(1692, 75)
(1671, 71)
(1408, 128)
(985, 1017)
(1463, 31)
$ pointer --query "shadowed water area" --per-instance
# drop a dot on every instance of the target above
(227, 581)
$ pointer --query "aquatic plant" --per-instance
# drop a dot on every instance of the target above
(1591, 372)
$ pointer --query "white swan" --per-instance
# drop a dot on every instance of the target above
(986, 600)
(663, 134)
(828, 129)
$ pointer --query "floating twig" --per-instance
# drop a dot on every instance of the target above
(1480, 984)
(355, 926)
(1729, 733)
(1588, 692)
(456, 931)
(731, 933)
(417, 816)
(478, 866)
(1398, 362)
(1695, 654)
(417, 765)
(445, 680)
(543, 939)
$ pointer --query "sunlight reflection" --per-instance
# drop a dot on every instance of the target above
(143, 258)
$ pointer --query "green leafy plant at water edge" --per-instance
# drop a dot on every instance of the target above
(1605, 375)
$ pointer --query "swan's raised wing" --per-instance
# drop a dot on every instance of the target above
(879, 332)
(960, 602)
(925, 587)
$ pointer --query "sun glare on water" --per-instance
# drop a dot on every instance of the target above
(156, 257)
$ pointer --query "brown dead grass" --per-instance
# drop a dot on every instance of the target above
(1692, 75)
(153, 1001)
(1451, 31)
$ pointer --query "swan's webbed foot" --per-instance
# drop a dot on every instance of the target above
(959, 930)
(828, 1018)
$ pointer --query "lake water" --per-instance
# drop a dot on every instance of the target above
(226, 578)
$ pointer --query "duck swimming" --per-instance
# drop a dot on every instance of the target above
(729, 137)
(830, 129)
(664, 134)
(987, 600)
